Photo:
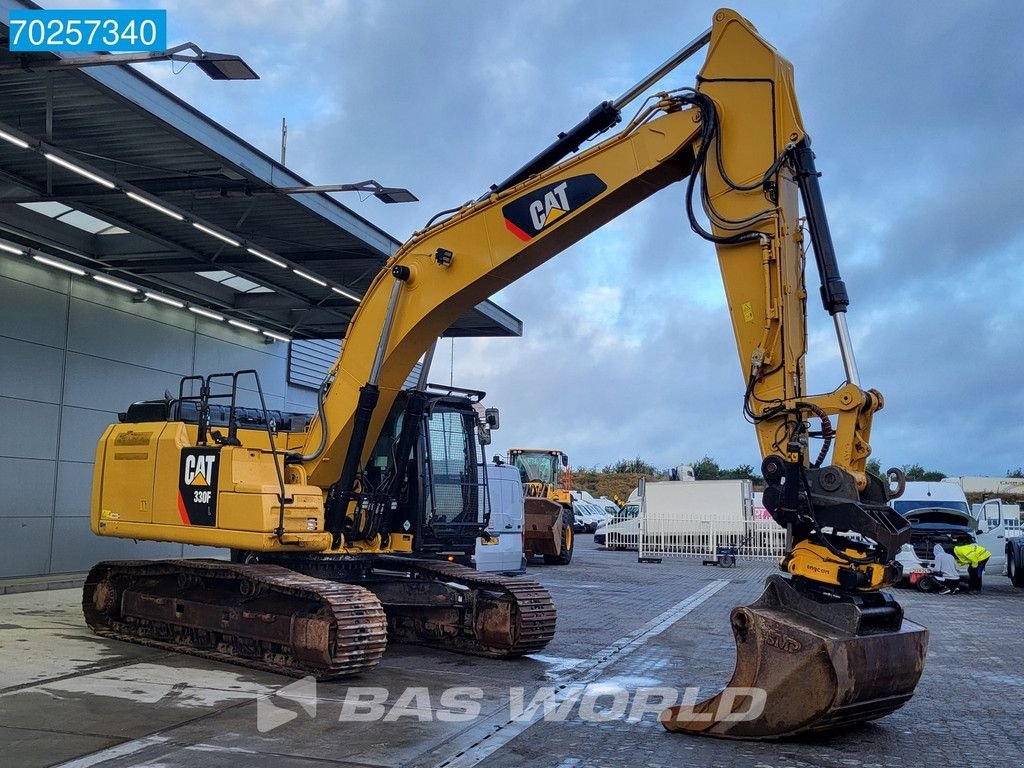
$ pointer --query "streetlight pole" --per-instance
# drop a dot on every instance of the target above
(216, 66)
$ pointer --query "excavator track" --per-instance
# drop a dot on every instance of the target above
(450, 606)
(260, 616)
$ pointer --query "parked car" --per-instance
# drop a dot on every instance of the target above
(587, 516)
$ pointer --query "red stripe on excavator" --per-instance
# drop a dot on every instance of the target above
(516, 231)
(181, 510)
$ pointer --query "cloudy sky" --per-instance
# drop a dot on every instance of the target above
(915, 113)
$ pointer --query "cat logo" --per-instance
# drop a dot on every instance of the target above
(554, 205)
(197, 486)
(537, 211)
(199, 469)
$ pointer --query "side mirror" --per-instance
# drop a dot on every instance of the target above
(491, 417)
(565, 461)
(483, 433)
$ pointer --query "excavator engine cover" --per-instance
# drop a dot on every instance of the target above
(813, 666)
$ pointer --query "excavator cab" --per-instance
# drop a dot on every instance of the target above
(442, 498)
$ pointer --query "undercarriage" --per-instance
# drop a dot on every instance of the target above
(332, 620)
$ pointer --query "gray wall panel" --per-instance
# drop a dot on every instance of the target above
(310, 360)
(301, 400)
(31, 273)
(31, 371)
(32, 313)
(26, 547)
(214, 356)
(112, 352)
(93, 382)
(76, 548)
(115, 335)
(80, 431)
(34, 426)
(248, 397)
(74, 489)
(26, 489)
(95, 293)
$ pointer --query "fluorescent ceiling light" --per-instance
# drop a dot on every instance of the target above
(59, 265)
(114, 283)
(271, 259)
(164, 300)
(79, 170)
(206, 313)
(311, 279)
(12, 249)
(155, 206)
(14, 140)
(246, 326)
(218, 235)
(346, 294)
(277, 336)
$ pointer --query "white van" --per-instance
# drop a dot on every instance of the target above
(938, 513)
(998, 522)
(504, 553)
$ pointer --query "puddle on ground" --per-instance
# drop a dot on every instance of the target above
(556, 664)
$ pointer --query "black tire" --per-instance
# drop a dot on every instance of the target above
(1013, 566)
(564, 557)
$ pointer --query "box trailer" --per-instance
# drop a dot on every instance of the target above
(697, 519)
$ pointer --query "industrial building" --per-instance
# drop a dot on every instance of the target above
(141, 242)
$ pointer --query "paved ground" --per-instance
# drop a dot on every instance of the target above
(69, 697)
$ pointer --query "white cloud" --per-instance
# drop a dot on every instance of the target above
(628, 350)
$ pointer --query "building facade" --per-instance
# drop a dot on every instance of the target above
(73, 354)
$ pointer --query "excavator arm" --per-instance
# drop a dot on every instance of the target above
(738, 143)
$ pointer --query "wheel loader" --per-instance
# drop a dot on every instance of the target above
(548, 528)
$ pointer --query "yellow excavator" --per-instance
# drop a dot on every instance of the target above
(330, 527)
(547, 503)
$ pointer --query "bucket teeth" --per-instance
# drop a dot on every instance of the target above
(797, 674)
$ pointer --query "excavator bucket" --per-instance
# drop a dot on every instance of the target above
(804, 666)
(542, 526)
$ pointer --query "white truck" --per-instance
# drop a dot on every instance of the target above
(685, 517)
(694, 518)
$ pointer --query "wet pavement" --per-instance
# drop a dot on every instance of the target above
(626, 632)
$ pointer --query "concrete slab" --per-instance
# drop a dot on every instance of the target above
(32, 747)
(68, 696)
(43, 637)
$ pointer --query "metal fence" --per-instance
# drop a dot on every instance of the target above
(693, 534)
